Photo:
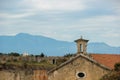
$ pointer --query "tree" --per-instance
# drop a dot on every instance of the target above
(31, 55)
(68, 55)
(117, 66)
(113, 75)
(42, 55)
(14, 54)
(1, 53)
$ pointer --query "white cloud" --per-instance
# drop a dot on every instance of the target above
(115, 5)
(95, 24)
(101, 19)
(66, 5)
(63, 19)
(8, 19)
(19, 15)
(113, 35)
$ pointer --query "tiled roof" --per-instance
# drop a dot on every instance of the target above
(107, 60)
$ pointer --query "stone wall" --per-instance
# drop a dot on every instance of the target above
(40, 75)
(15, 75)
(23, 75)
(70, 71)
(5, 58)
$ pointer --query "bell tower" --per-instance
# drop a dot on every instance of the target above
(81, 45)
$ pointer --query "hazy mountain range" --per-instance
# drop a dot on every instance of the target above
(36, 44)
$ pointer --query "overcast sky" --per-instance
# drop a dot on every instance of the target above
(96, 20)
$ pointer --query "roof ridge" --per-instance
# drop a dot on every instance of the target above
(73, 58)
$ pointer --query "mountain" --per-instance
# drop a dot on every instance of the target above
(36, 44)
(102, 48)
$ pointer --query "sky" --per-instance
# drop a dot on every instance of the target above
(67, 20)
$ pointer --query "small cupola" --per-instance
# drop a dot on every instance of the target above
(81, 45)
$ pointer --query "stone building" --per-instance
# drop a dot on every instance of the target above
(84, 66)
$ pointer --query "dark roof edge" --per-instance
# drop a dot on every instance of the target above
(82, 40)
(80, 55)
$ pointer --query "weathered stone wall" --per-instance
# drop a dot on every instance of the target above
(69, 71)
(5, 58)
(15, 75)
(40, 75)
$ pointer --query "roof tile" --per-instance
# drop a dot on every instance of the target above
(108, 60)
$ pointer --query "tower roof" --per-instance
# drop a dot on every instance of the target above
(81, 39)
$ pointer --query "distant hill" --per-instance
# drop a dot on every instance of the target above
(102, 48)
(36, 44)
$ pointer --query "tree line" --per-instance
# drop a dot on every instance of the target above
(18, 54)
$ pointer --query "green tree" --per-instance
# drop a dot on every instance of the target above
(117, 66)
(1, 53)
(14, 54)
(42, 55)
(68, 55)
(113, 75)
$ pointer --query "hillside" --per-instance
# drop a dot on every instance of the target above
(36, 44)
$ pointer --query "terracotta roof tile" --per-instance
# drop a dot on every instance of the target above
(107, 60)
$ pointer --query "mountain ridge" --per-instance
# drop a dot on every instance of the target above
(35, 44)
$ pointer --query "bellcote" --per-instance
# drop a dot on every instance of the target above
(81, 46)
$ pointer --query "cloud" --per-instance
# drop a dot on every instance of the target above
(19, 15)
(7, 19)
(112, 35)
(62, 19)
(66, 5)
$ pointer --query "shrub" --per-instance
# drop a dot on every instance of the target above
(113, 75)
(117, 66)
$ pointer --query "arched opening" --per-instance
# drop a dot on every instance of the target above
(81, 48)
(53, 61)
